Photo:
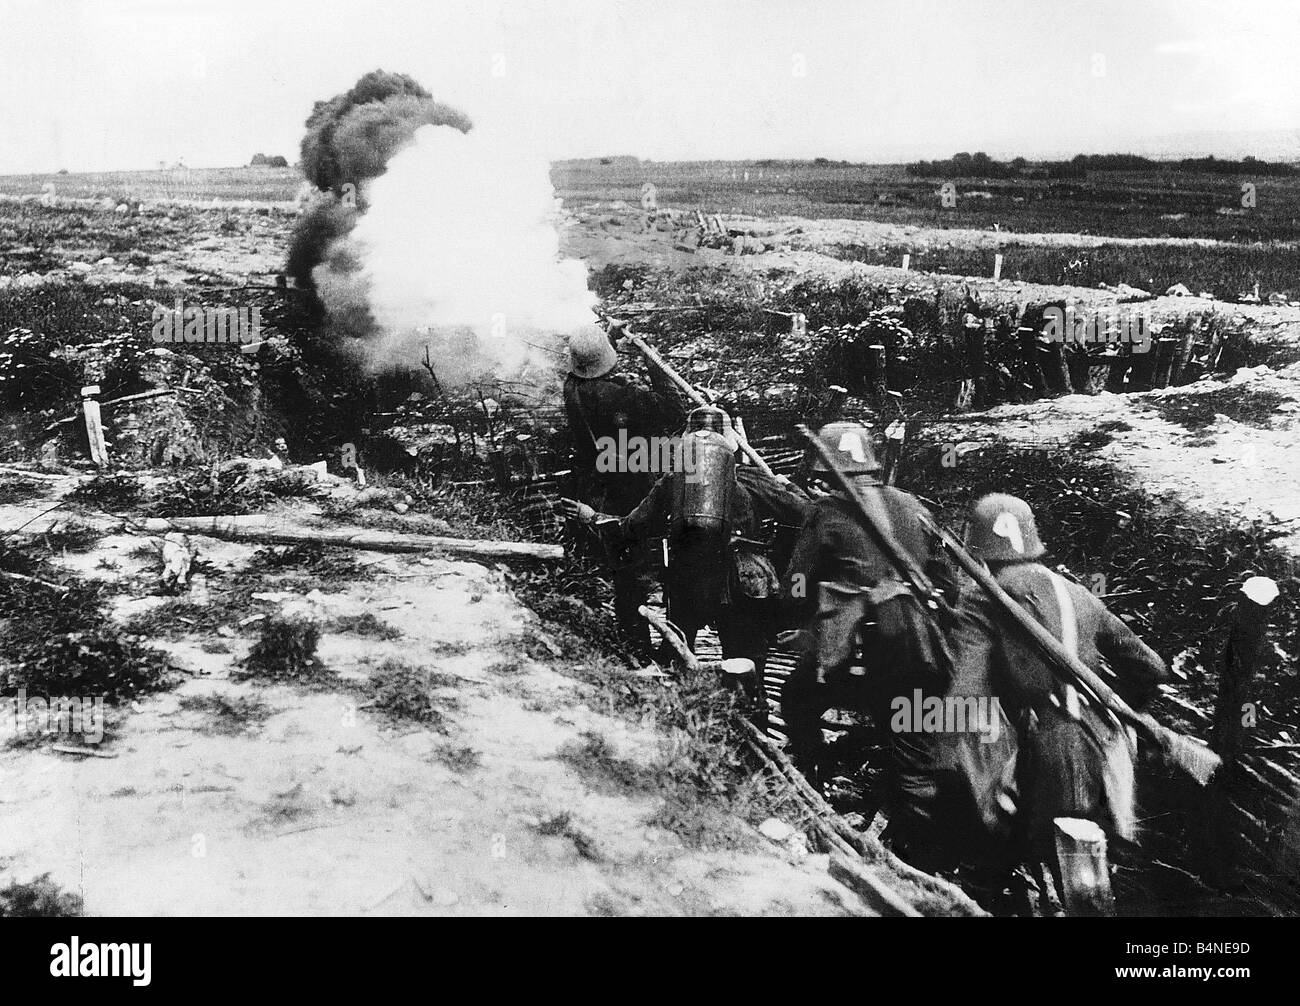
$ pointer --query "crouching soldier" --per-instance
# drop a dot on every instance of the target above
(1076, 759)
(600, 403)
(711, 510)
(867, 639)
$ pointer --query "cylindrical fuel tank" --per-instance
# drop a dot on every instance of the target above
(707, 480)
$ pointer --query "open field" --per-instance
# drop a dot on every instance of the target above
(591, 800)
(174, 184)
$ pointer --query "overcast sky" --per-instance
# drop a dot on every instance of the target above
(128, 83)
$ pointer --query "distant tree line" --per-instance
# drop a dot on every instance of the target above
(980, 165)
(262, 161)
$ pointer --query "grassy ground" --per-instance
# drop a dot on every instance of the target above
(204, 184)
(1150, 204)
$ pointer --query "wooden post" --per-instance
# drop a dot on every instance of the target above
(500, 468)
(977, 370)
(877, 374)
(1247, 643)
(907, 262)
(1085, 872)
(1183, 354)
(1032, 360)
(834, 410)
(997, 268)
(1215, 347)
(1164, 352)
(1058, 367)
(1218, 841)
(94, 429)
(1142, 377)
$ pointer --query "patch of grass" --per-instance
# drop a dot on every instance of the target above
(229, 716)
(458, 758)
(108, 492)
(20, 490)
(177, 619)
(562, 824)
(443, 648)
(101, 662)
(602, 906)
(593, 757)
(38, 898)
(213, 493)
(1197, 411)
(322, 561)
(1091, 440)
(286, 651)
(404, 692)
(74, 537)
(365, 624)
(507, 667)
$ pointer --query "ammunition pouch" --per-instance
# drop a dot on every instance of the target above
(752, 577)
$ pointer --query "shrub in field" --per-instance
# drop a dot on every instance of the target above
(38, 898)
(108, 492)
(405, 692)
(286, 651)
(99, 663)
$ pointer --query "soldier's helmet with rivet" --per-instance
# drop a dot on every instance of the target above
(1002, 529)
(590, 352)
(850, 443)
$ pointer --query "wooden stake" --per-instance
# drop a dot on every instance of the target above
(1059, 368)
(997, 268)
(94, 429)
(1085, 872)
(907, 262)
(876, 373)
(1183, 354)
(1164, 351)
(976, 364)
(1247, 644)
(1032, 359)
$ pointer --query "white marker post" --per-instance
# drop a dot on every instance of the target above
(94, 431)
(907, 262)
(997, 268)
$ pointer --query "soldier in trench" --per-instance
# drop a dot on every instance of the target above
(711, 510)
(599, 403)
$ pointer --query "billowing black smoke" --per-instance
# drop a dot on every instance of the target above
(349, 140)
(351, 137)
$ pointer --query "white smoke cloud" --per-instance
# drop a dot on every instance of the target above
(458, 249)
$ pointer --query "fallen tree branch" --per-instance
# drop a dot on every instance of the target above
(23, 578)
(141, 396)
(257, 527)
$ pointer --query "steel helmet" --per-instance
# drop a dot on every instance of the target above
(850, 443)
(1002, 529)
(590, 352)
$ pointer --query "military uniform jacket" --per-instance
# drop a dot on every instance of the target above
(600, 407)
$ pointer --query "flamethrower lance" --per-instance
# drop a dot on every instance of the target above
(1194, 758)
(694, 394)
